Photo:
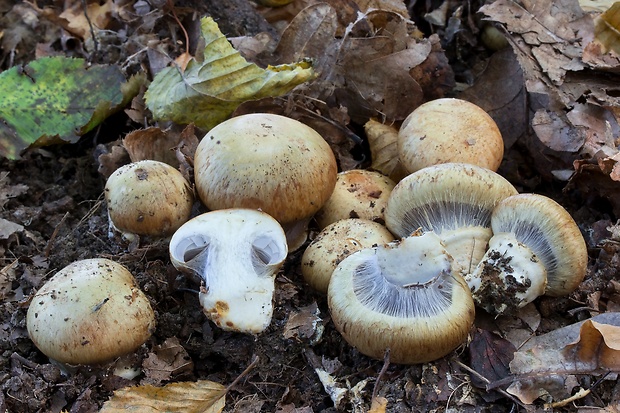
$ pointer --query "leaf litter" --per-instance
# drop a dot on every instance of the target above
(553, 91)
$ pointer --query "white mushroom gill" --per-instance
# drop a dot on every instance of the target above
(412, 286)
(236, 254)
(407, 296)
(455, 200)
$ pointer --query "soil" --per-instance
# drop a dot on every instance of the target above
(55, 193)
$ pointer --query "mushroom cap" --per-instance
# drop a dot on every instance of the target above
(90, 312)
(336, 242)
(455, 200)
(551, 233)
(405, 296)
(449, 130)
(358, 193)
(148, 198)
(236, 253)
(268, 162)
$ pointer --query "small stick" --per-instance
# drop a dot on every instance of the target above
(386, 364)
(484, 379)
(48, 247)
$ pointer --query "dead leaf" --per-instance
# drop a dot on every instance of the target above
(8, 228)
(378, 405)
(202, 396)
(79, 21)
(305, 325)
(152, 143)
(383, 142)
(490, 356)
(9, 191)
(167, 361)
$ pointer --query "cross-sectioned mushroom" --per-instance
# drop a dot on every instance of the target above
(455, 200)
(406, 296)
(536, 248)
(236, 254)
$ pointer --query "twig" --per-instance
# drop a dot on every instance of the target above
(386, 364)
(243, 373)
(48, 247)
(484, 379)
(579, 395)
(90, 25)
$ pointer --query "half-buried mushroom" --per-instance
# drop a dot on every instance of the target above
(455, 200)
(536, 248)
(406, 296)
(236, 254)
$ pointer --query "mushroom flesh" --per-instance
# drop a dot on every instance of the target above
(536, 248)
(236, 254)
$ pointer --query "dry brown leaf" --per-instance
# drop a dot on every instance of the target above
(202, 396)
(99, 16)
(378, 405)
(382, 140)
(546, 364)
(607, 29)
(167, 360)
(152, 143)
(304, 325)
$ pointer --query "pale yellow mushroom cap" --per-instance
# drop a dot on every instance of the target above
(268, 162)
(405, 296)
(90, 312)
(449, 130)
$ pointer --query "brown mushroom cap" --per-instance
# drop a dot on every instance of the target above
(449, 130)
(551, 233)
(268, 162)
(455, 200)
(90, 312)
(358, 193)
(336, 242)
(406, 296)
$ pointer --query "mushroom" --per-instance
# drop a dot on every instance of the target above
(455, 200)
(449, 130)
(358, 193)
(148, 198)
(268, 162)
(90, 312)
(236, 254)
(536, 248)
(335, 243)
(406, 296)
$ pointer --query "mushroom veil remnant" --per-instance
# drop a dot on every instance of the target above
(268, 162)
(90, 312)
(455, 200)
(536, 248)
(236, 254)
(406, 296)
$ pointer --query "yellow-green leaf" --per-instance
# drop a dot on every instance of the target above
(202, 396)
(56, 100)
(208, 91)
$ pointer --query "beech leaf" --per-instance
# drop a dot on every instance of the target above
(202, 396)
(56, 100)
(208, 91)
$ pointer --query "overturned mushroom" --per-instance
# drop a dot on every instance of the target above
(455, 200)
(536, 248)
(236, 254)
(406, 296)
